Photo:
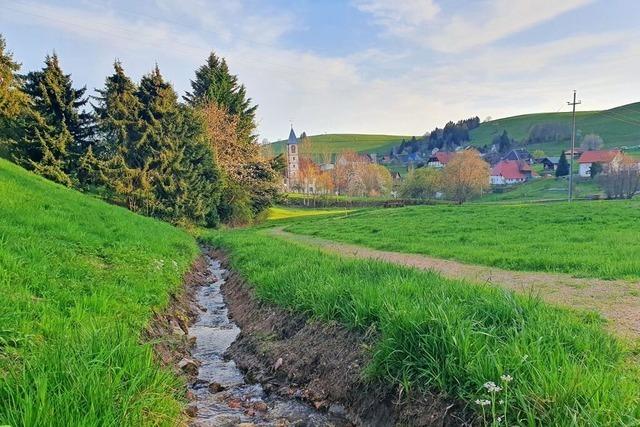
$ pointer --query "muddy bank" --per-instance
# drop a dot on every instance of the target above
(322, 364)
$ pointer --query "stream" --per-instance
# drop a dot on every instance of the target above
(223, 397)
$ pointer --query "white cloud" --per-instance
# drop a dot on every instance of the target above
(480, 24)
(498, 19)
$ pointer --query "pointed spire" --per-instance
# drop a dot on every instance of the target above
(292, 137)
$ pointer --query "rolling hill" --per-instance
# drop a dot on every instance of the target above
(336, 143)
(619, 127)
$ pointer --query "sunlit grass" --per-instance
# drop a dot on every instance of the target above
(446, 336)
(590, 239)
(279, 212)
(78, 282)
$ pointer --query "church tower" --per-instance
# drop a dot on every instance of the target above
(292, 160)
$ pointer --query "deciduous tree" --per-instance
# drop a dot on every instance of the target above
(421, 183)
(465, 176)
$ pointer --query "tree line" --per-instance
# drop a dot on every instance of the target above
(193, 160)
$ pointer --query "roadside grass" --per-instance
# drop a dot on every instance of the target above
(78, 282)
(586, 239)
(446, 336)
(280, 212)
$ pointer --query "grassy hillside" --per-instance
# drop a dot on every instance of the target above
(554, 367)
(78, 282)
(591, 239)
(336, 143)
(618, 127)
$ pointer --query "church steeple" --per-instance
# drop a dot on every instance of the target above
(292, 160)
(293, 139)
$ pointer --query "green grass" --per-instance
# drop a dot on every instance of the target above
(280, 212)
(78, 282)
(591, 239)
(544, 189)
(337, 143)
(447, 336)
(618, 127)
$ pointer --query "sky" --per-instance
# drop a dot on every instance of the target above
(352, 66)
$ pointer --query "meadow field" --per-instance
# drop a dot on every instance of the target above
(545, 188)
(512, 358)
(587, 239)
(78, 282)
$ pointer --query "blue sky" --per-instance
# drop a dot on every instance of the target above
(365, 66)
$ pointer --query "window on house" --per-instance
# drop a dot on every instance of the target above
(293, 148)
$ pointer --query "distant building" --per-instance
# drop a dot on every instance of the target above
(511, 172)
(549, 163)
(606, 158)
(293, 161)
(519, 154)
(439, 159)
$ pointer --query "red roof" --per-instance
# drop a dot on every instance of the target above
(444, 157)
(598, 156)
(512, 169)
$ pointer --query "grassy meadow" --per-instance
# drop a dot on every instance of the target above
(588, 239)
(78, 282)
(546, 188)
(553, 367)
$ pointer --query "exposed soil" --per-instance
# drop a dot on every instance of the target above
(323, 364)
(168, 331)
(617, 301)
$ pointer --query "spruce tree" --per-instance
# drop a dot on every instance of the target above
(563, 166)
(59, 132)
(215, 83)
(116, 111)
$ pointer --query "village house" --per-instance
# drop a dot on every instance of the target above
(508, 172)
(605, 158)
(439, 159)
(549, 163)
(519, 154)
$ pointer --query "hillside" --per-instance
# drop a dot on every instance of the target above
(619, 127)
(79, 280)
(336, 143)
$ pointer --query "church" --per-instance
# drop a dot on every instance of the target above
(293, 161)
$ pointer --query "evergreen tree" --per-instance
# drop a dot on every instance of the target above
(563, 166)
(116, 111)
(59, 131)
(215, 83)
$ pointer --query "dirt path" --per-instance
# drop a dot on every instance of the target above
(617, 300)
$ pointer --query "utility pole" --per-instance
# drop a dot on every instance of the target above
(573, 144)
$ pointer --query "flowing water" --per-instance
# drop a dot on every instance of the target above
(223, 396)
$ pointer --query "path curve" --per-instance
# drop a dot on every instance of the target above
(617, 301)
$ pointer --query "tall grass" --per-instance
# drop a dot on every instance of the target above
(445, 335)
(589, 239)
(78, 282)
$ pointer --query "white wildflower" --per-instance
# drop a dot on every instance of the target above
(501, 402)
(506, 378)
(500, 419)
(483, 402)
(492, 387)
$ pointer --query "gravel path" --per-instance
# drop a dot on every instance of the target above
(616, 300)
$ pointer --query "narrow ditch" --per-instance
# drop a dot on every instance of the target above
(221, 393)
